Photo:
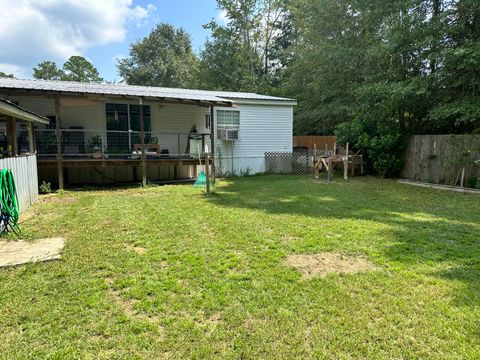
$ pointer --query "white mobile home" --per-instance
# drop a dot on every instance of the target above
(114, 132)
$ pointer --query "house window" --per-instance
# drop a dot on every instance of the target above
(227, 119)
(123, 127)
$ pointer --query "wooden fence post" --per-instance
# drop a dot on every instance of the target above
(345, 164)
(330, 169)
(316, 174)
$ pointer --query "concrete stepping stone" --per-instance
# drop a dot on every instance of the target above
(22, 252)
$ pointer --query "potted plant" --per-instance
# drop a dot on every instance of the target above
(95, 144)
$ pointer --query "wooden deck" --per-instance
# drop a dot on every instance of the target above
(117, 162)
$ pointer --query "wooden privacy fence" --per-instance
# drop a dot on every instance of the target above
(24, 169)
(285, 163)
(439, 159)
(310, 141)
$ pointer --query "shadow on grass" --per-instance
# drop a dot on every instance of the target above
(426, 227)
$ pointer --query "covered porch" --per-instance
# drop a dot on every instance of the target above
(139, 134)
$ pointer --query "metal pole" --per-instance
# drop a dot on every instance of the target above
(212, 139)
(207, 174)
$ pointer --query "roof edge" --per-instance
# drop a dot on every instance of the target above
(11, 109)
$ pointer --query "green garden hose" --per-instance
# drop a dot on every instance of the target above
(9, 209)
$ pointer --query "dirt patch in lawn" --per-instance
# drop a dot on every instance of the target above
(55, 199)
(138, 249)
(128, 305)
(322, 264)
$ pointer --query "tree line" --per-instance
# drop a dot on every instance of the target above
(370, 71)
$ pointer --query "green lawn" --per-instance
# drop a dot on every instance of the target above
(165, 272)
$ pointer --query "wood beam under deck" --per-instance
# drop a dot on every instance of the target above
(66, 163)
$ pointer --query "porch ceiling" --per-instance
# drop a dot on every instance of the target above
(8, 108)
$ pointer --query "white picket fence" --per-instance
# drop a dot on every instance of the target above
(24, 169)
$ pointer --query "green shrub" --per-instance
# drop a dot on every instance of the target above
(380, 145)
(45, 188)
(245, 171)
(471, 182)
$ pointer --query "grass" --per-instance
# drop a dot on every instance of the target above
(165, 272)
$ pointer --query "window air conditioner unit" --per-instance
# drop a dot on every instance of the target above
(229, 134)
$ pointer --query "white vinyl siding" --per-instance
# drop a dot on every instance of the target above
(263, 128)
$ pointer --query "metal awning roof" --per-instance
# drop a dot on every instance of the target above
(71, 87)
(218, 98)
(8, 108)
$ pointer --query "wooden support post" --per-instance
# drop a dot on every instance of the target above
(330, 169)
(361, 164)
(142, 141)
(353, 165)
(178, 146)
(58, 132)
(345, 164)
(207, 174)
(212, 140)
(31, 144)
(11, 135)
(315, 163)
(462, 177)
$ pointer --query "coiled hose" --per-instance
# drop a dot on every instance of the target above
(9, 209)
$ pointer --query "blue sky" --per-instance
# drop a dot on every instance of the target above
(188, 14)
(100, 30)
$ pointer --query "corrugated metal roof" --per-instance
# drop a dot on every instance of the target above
(132, 90)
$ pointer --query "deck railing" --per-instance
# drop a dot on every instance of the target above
(101, 144)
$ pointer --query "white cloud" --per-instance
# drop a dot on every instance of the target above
(17, 71)
(222, 17)
(35, 30)
(141, 14)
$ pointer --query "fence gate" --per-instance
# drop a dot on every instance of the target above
(285, 163)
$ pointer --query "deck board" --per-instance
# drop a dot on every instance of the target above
(116, 162)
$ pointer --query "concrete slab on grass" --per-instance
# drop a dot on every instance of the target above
(22, 252)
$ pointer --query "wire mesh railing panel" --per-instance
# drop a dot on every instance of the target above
(98, 144)
(23, 143)
(283, 163)
(46, 143)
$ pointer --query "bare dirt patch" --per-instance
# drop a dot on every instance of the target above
(138, 249)
(127, 305)
(56, 199)
(322, 264)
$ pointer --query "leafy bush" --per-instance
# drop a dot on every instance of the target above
(473, 182)
(45, 188)
(245, 171)
(380, 145)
